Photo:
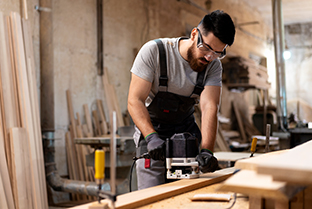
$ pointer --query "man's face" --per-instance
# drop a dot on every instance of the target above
(204, 50)
(198, 63)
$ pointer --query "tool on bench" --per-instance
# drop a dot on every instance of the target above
(181, 152)
(99, 166)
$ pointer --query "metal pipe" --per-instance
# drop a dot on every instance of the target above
(65, 185)
(46, 67)
(279, 45)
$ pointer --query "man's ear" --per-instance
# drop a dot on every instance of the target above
(193, 34)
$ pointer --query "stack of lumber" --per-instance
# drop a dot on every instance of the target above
(96, 125)
(76, 153)
(241, 72)
(277, 175)
(22, 174)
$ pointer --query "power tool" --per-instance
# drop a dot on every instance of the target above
(181, 151)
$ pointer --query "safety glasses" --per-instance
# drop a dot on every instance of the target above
(205, 48)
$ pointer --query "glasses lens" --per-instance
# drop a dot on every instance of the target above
(213, 54)
(208, 49)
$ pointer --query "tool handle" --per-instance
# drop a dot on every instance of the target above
(99, 164)
(253, 144)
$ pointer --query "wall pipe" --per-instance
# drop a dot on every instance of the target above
(279, 46)
(65, 185)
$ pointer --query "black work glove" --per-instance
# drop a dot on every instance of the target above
(207, 162)
(155, 146)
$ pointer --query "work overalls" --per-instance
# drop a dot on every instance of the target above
(170, 113)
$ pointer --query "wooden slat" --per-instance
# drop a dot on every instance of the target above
(239, 121)
(75, 158)
(71, 113)
(88, 118)
(31, 74)
(111, 98)
(96, 123)
(293, 166)
(7, 76)
(4, 170)
(103, 123)
(22, 172)
(15, 121)
(3, 200)
(143, 197)
(220, 141)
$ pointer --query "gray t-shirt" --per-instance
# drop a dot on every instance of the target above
(181, 78)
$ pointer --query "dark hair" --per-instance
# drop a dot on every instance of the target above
(220, 24)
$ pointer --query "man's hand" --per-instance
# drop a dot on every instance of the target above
(207, 162)
(155, 146)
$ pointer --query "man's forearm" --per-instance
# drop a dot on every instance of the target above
(140, 117)
(209, 125)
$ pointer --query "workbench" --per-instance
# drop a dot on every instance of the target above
(165, 192)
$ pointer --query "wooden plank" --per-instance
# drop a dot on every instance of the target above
(75, 159)
(111, 98)
(21, 167)
(96, 123)
(26, 109)
(85, 130)
(71, 113)
(292, 166)
(239, 121)
(6, 75)
(103, 123)
(14, 76)
(82, 159)
(3, 200)
(220, 141)
(143, 197)
(252, 163)
(88, 118)
(260, 185)
(233, 156)
(4, 171)
(31, 74)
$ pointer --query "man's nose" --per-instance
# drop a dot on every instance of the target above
(208, 57)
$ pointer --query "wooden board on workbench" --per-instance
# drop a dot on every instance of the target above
(142, 197)
(260, 185)
(251, 163)
(293, 166)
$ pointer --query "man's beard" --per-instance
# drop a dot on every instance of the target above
(194, 62)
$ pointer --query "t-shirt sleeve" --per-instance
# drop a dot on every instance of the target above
(214, 74)
(144, 65)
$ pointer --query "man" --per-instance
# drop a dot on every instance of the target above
(168, 76)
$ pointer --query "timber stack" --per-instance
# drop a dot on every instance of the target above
(241, 72)
(22, 173)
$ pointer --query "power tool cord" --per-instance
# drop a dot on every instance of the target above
(145, 156)
(131, 170)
